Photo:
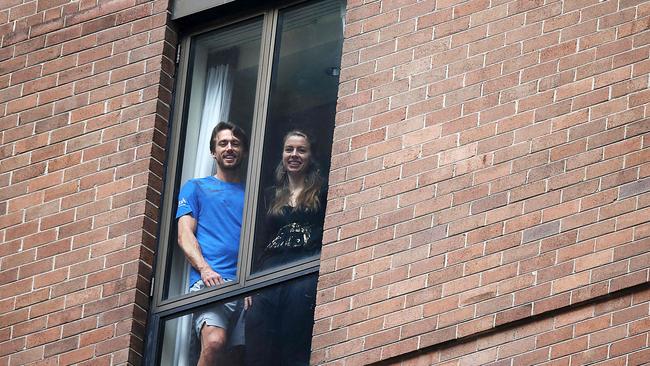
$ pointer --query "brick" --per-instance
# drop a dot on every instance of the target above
(14, 317)
(613, 48)
(485, 45)
(593, 68)
(541, 231)
(628, 345)
(635, 188)
(513, 314)
(442, 87)
(469, 36)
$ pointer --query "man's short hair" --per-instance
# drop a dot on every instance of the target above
(237, 131)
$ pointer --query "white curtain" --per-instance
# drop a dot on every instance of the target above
(218, 95)
(216, 108)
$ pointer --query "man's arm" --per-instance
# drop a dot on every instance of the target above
(190, 246)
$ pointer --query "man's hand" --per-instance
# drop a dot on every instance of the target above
(248, 302)
(211, 278)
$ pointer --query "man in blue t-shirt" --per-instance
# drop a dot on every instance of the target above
(209, 217)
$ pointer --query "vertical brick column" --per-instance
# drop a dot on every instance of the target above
(491, 165)
(85, 90)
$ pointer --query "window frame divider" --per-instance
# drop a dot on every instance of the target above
(255, 148)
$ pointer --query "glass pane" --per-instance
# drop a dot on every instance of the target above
(303, 90)
(222, 78)
(182, 335)
(275, 330)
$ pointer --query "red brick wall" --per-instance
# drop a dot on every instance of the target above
(490, 181)
(611, 332)
(84, 97)
(491, 165)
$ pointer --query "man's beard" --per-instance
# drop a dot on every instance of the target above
(222, 166)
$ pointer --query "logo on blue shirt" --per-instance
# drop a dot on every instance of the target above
(182, 202)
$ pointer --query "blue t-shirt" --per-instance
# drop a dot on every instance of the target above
(217, 208)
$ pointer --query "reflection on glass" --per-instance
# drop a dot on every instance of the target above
(303, 91)
(222, 79)
(185, 351)
(281, 335)
(279, 323)
(294, 206)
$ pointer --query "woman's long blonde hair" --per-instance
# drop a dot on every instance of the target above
(309, 197)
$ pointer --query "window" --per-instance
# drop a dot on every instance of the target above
(271, 72)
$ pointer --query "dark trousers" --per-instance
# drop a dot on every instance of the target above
(279, 324)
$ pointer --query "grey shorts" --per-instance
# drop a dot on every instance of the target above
(223, 315)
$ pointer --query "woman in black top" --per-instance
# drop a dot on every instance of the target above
(279, 323)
